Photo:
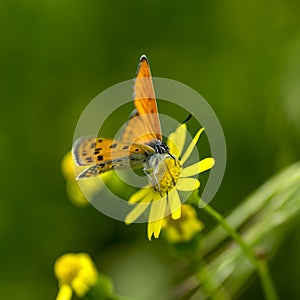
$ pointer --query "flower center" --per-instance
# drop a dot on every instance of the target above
(168, 172)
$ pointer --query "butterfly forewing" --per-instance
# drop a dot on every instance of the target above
(145, 103)
(136, 129)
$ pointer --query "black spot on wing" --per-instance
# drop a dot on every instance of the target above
(113, 146)
(89, 159)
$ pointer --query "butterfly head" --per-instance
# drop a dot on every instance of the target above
(159, 147)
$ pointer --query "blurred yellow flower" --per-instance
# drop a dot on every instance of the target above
(74, 193)
(172, 178)
(74, 272)
(184, 229)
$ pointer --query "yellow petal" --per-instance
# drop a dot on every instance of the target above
(175, 204)
(156, 216)
(138, 209)
(199, 167)
(176, 140)
(64, 293)
(191, 146)
(154, 228)
(139, 195)
(157, 210)
(150, 230)
(187, 184)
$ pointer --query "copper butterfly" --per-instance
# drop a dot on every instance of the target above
(141, 144)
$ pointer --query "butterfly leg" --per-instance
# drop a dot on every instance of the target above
(173, 180)
(157, 185)
(153, 179)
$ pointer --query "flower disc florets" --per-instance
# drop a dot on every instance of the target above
(168, 172)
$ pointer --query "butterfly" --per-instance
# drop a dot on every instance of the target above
(141, 144)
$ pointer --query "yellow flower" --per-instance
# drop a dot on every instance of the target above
(184, 229)
(92, 185)
(172, 177)
(74, 272)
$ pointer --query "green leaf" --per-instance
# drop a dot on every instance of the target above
(263, 220)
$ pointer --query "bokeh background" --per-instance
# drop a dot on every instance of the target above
(56, 56)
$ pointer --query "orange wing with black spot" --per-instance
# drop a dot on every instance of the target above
(99, 168)
(106, 154)
(144, 124)
(88, 151)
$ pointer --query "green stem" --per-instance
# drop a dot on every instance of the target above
(266, 280)
(260, 265)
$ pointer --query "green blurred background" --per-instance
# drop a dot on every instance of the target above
(56, 56)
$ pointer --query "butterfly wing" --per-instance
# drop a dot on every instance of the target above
(106, 154)
(121, 163)
(87, 151)
(135, 130)
(144, 125)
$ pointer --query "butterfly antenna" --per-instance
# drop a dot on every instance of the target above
(172, 157)
(188, 118)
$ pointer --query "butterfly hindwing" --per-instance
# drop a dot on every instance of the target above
(97, 169)
(134, 161)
